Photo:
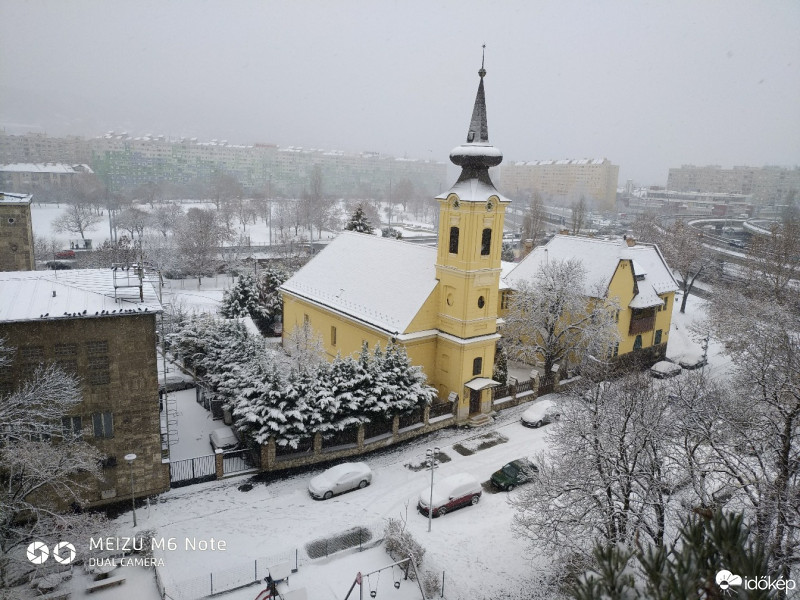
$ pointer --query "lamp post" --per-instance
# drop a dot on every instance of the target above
(130, 458)
(432, 459)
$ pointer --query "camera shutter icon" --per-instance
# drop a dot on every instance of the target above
(64, 553)
(38, 553)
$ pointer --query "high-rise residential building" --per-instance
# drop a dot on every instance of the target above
(125, 162)
(563, 180)
(767, 185)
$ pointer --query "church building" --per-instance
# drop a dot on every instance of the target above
(440, 304)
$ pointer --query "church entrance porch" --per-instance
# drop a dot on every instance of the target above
(474, 401)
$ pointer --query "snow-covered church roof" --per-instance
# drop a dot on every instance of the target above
(600, 258)
(70, 293)
(380, 281)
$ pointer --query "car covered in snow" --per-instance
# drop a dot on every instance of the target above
(541, 413)
(665, 368)
(223, 438)
(339, 479)
(450, 493)
(514, 473)
(692, 361)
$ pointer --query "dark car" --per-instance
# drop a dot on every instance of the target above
(514, 473)
(453, 492)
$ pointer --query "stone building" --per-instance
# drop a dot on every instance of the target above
(16, 233)
(88, 323)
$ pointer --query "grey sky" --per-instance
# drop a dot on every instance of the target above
(650, 85)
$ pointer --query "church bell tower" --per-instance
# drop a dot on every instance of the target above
(471, 218)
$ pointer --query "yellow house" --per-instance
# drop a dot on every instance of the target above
(440, 304)
(635, 275)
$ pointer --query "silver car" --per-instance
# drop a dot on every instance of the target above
(339, 479)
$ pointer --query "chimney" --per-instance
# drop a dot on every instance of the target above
(630, 241)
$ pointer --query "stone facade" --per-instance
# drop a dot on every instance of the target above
(115, 357)
(16, 233)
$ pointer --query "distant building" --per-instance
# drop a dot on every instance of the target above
(767, 185)
(16, 233)
(34, 177)
(594, 179)
(87, 323)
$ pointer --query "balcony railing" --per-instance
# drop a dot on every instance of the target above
(642, 325)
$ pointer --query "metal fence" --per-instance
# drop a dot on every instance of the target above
(192, 470)
(236, 461)
(360, 537)
(226, 580)
(439, 409)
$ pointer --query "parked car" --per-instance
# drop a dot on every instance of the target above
(693, 361)
(339, 479)
(514, 473)
(449, 494)
(65, 254)
(664, 368)
(541, 413)
(223, 438)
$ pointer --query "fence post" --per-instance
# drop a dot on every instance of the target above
(212, 583)
(255, 570)
(219, 466)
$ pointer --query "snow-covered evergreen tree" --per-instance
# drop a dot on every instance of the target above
(500, 372)
(358, 222)
(240, 300)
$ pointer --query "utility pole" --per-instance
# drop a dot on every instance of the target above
(432, 456)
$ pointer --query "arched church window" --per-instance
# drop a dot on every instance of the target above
(486, 242)
(477, 366)
(454, 240)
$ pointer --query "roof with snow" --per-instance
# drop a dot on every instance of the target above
(8, 198)
(380, 281)
(45, 168)
(68, 294)
(600, 258)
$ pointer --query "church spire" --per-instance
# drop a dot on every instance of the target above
(477, 154)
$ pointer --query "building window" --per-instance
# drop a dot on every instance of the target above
(477, 365)
(616, 316)
(333, 335)
(637, 344)
(71, 428)
(657, 340)
(481, 302)
(486, 242)
(103, 424)
(305, 319)
(454, 240)
(504, 299)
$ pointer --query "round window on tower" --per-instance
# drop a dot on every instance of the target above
(449, 299)
(481, 302)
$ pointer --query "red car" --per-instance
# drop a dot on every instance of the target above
(65, 254)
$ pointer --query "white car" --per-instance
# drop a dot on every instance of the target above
(223, 438)
(664, 368)
(541, 413)
(339, 479)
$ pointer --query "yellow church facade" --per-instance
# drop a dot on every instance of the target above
(440, 304)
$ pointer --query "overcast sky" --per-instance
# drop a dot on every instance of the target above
(649, 85)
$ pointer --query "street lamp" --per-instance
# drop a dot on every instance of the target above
(432, 456)
(130, 458)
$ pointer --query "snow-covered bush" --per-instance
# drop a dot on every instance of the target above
(401, 544)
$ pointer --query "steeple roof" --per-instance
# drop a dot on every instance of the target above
(477, 155)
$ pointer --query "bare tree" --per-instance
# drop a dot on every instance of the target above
(224, 187)
(578, 215)
(533, 221)
(44, 465)
(777, 256)
(607, 475)
(199, 238)
(553, 320)
(305, 346)
(166, 217)
(77, 218)
(133, 220)
(683, 250)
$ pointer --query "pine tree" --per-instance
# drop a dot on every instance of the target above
(500, 372)
(708, 544)
(358, 222)
(240, 300)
